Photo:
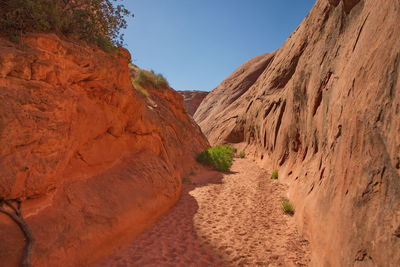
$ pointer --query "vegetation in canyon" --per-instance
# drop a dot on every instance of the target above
(287, 206)
(274, 174)
(218, 157)
(95, 21)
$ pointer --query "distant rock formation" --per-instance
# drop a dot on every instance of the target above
(325, 111)
(192, 100)
(92, 160)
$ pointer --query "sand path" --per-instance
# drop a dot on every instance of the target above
(230, 219)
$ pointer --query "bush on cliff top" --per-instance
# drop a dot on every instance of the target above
(148, 79)
(95, 21)
(139, 88)
(218, 157)
(151, 79)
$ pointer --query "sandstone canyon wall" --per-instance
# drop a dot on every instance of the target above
(325, 111)
(92, 160)
(192, 100)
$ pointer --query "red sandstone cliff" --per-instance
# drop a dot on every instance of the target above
(325, 111)
(92, 160)
(192, 100)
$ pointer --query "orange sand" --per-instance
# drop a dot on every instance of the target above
(230, 219)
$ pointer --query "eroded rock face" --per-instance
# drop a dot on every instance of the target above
(192, 100)
(325, 112)
(226, 95)
(92, 160)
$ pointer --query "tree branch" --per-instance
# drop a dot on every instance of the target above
(16, 216)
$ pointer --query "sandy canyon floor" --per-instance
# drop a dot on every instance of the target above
(232, 219)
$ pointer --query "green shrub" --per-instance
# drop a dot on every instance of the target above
(218, 157)
(274, 174)
(147, 78)
(95, 21)
(242, 155)
(287, 206)
(139, 88)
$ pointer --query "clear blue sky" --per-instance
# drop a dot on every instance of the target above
(196, 44)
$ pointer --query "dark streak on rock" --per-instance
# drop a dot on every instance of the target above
(279, 122)
(359, 32)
